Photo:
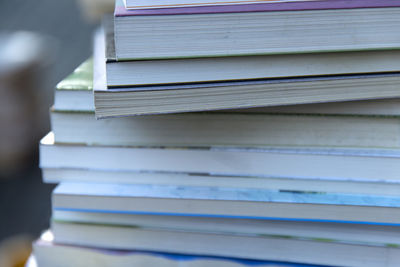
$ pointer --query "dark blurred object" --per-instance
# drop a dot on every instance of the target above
(24, 199)
(63, 21)
(24, 59)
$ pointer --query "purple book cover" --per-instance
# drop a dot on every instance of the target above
(120, 10)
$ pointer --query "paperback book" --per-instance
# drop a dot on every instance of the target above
(256, 29)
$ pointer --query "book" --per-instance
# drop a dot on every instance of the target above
(319, 252)
(225, 202)
(144, 4)
(381, 187)
(370, 165)
(228, 129)
(49, 253)
(259, 29)
(75, 92)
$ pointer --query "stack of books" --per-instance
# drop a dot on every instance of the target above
(222, 141)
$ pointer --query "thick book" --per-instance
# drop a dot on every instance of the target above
(225, 202)
(354, 76)
(234, 129)
(256, 29)
(320, 252)
(367, 234)
(49, 253)
(369, 165)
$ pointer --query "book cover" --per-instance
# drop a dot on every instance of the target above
(120, 9)
(80, 79)
(144, 4)
(75, 92)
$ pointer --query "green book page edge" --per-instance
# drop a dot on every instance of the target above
(80, 79)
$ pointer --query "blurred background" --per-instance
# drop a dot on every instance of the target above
(41, 42)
